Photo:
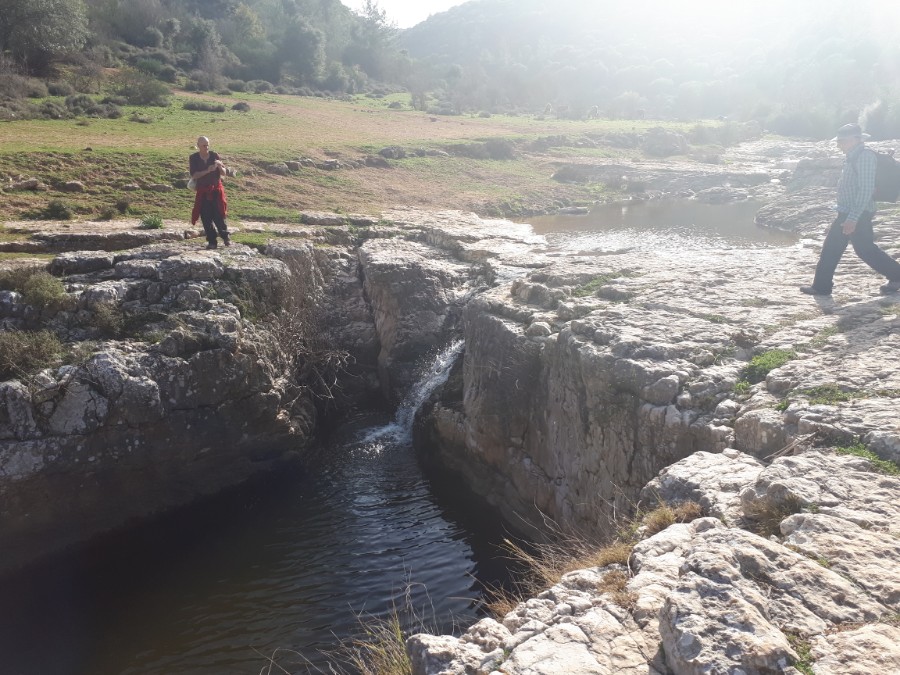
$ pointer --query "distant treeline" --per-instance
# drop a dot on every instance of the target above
(798, 74)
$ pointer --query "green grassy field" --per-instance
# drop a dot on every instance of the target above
(107, 155)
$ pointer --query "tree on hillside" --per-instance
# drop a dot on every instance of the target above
(35, 32)
(302, 52)
(373, 45)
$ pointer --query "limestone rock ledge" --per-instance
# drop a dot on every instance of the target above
(822, 592)
(586, 374)
(174, 387)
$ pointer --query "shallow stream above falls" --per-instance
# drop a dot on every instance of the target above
(663, 226)
(282, 567)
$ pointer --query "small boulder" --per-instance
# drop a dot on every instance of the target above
(280, 169)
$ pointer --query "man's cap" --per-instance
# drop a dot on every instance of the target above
(850, 131)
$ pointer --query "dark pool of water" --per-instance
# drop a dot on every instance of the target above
(286, 563)
(665, 226)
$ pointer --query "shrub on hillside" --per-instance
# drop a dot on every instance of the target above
(200, 80)
(15, 109)
(60, 89)
(51, 110)
(204, 106)
(13, 279)
(42, 290)
(141, 89)
(260, 86)
(14, 86)
(82, 104)
(56, 210)
(168, 74)
(109, 320)
(149, 66)
(237, 85)
(23, 352)
(241, 106)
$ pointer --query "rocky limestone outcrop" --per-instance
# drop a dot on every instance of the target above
(177, 384)
(710, 597)
(589, 373)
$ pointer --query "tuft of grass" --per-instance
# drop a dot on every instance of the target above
(741, 387)
(783, 405)
(23, 353)
(592, 286)
(884, 466)
(615, 584)
(803, 649)
(382, 648)
(762, 364)
(829, 394)
(545, 564)
(766, 515)
(153, 222)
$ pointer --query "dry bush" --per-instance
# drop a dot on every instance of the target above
(766, 515)
(545, 564)
(664, 515)
(297, 335)
(615, 585)
(25, 352)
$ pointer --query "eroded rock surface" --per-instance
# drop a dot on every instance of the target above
(704, 597)
(177, 386)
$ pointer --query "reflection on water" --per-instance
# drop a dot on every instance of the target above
(667, 226)
(285, 564)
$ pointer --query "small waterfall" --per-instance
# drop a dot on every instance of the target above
(400, 430)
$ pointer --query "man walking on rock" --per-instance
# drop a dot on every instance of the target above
(856, 208)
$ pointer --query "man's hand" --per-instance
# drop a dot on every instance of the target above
(849, 227)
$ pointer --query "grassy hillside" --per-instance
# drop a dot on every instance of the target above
(108, 154)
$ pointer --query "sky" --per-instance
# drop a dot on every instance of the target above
(407, 13)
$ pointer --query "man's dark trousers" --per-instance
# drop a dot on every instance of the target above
(864, 245)
(209, 214)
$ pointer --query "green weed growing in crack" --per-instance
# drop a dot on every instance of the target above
(762, 364)
(592, 286)
(803, 649)
(883, 466)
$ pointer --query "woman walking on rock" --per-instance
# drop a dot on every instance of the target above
(210, 205)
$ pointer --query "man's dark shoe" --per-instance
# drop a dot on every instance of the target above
(211, 244)
(890, 287)
(812, 290)
(226, 241)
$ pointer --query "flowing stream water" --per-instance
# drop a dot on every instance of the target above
(282, 567)
(668, 227)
